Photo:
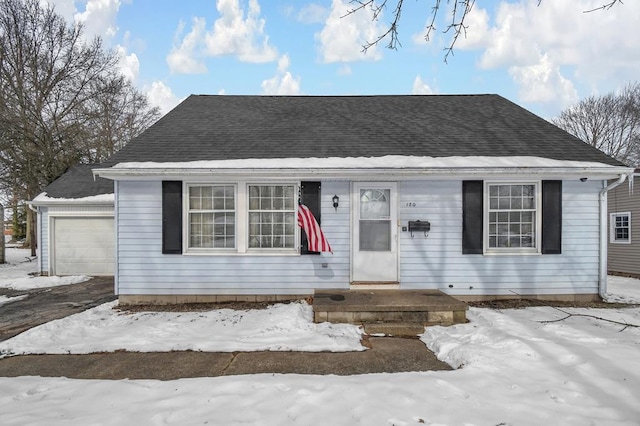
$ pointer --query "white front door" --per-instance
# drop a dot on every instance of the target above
(375, 232)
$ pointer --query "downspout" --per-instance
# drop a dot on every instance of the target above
(604, 230)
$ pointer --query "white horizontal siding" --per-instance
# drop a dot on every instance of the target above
(44, 239)
(143, 269)
(81, 210)
(437, 261)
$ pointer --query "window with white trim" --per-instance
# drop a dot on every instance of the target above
(211, 217)
(512, 217)
(272, 216)
(620, 227)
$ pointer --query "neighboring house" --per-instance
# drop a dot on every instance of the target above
(206, 199)
(624, 229)
(75, 225)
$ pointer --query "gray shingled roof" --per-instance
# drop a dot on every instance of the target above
(78, 182)
(205, 127)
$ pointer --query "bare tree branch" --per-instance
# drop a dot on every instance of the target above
(456, 25)
(610, 123)
(569, 315)
(604, 6)
(56, 89)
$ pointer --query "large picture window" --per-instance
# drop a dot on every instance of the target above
(211, 217)
(512, 217)
(620, 228)
(272, 216)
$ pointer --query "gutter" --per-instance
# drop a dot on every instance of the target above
(602, 278)
(153, 173)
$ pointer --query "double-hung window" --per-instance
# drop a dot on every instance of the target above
(620, 228)
(272, 216)
(211, 217)
(240, 217)
(512, 217)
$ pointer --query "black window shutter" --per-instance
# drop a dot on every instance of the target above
(172, 217)
(551, 216)
(472, 216)
(310, 197)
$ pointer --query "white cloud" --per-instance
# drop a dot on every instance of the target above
(283, 83)
(543, 82)
(183, 58)
(342, 37)
(160, 95)
(99, 18)
(128, 63)
(420, 87)
(233, 34)
(551, 48)
(313, 13)
(477, 32)
(65, 8)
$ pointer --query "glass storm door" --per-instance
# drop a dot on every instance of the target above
(375, 252)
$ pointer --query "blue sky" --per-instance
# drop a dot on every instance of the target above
(544, 58)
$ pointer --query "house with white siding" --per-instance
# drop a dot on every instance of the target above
(468, 194)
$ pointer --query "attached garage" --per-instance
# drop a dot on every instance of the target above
(82, 246)
(75, 225)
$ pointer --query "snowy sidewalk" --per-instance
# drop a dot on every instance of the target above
(387, 355)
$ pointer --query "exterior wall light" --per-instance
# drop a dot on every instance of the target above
(335, 200)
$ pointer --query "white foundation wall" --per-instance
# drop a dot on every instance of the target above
(437, 262)
(143, 270)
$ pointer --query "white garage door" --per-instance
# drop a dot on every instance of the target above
(83, 246)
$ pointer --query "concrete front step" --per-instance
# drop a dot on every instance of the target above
(444, 317)
(396, 329)
(411, 309)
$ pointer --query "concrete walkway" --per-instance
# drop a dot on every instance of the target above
(387, 355)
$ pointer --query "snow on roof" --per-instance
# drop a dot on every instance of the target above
(44, 199)
(387, 162)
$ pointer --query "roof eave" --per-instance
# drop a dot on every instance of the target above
(604, 172)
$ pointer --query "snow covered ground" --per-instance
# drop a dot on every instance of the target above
(17, 272)
(280, 327)
(513, 369)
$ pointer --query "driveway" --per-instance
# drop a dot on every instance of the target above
(46, 304)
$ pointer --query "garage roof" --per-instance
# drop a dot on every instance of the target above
(78, 182)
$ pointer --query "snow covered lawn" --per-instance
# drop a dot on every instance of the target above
(17, 272)
(280, 327)
(513, 369)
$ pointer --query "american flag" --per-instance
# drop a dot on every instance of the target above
(315, 236)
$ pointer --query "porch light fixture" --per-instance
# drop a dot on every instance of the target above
(335, 200)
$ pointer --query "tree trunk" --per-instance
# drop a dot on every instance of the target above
(31, 240)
